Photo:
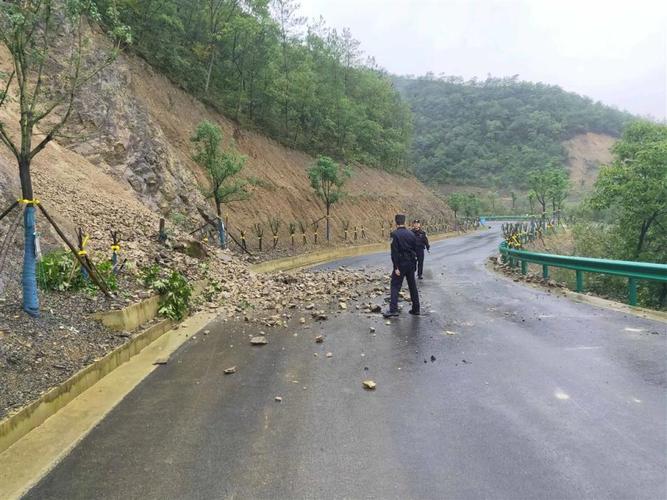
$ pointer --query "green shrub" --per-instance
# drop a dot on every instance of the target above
(106, 274)
(175, 293)
(149, 275)
(60, 271)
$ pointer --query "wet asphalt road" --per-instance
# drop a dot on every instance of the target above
(533, 397)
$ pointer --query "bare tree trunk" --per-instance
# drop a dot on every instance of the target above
(328, 210)
(209, 71)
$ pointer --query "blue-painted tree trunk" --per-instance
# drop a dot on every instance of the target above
(29, 278)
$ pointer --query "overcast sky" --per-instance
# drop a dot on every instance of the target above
(611, 50)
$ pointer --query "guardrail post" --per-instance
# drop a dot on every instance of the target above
(545, 271)
(524, 267)
(580, 281)
(632, 291)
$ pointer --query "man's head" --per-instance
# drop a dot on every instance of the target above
(400, 219)
(416, 224)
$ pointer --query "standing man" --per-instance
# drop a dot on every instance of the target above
(422, 242)
(403, 256)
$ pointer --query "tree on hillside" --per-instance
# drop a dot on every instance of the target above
(531, 201)
(540, 182)
(558, 189)
(472, 205)
(221, 167)
(288, 22)
(327, 179)
(217, 14)
(44, 86)
(456, 202)
(634, 187)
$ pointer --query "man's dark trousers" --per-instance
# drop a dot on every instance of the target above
(407, 272)
(420, 261)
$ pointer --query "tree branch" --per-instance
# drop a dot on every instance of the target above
(6, 140)
(5, 92)
(44, 57)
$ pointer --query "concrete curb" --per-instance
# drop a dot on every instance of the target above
(133, 316)
(18, 425)
(130, 317)
(321, 257)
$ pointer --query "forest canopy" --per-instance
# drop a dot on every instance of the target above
(258, 62)
(492, 132)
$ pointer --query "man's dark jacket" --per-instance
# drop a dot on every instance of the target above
(403, 248)
(422, 239)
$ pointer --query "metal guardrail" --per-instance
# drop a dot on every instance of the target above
(628, 269)
(493, 218)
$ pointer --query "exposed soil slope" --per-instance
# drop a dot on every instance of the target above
(586, 153)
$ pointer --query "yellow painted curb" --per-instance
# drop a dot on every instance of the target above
(18, 425)
(30, 458)
(321, 257)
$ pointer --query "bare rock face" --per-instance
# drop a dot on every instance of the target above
(119, 135)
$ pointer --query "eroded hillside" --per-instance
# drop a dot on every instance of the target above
(586, 154)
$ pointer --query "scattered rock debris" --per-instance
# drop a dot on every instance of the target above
(369, 385)
(230, 370)
(259, 340)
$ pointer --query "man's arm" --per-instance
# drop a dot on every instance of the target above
(394, 251)
(428, 245)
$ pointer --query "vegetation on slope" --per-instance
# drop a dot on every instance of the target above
(492, 133)
(257, 62)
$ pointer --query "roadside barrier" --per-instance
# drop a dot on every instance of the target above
(627, 269)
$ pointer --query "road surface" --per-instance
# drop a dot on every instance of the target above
(532, 396)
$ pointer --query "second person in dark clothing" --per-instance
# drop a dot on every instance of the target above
(422, 243)
(403, 256)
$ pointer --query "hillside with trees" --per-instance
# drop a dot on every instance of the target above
(258, 63)
(493, 132)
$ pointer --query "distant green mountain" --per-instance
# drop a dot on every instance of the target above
(492, 132)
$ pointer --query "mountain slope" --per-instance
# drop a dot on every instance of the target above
(127, 160)
(491, 133)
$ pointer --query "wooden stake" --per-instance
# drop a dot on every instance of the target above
(11, 207)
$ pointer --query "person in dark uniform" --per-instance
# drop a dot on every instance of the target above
(403, 257)
(422, 243)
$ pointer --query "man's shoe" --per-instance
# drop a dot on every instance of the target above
(420, 277)
(414, 313)
(390, 314)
